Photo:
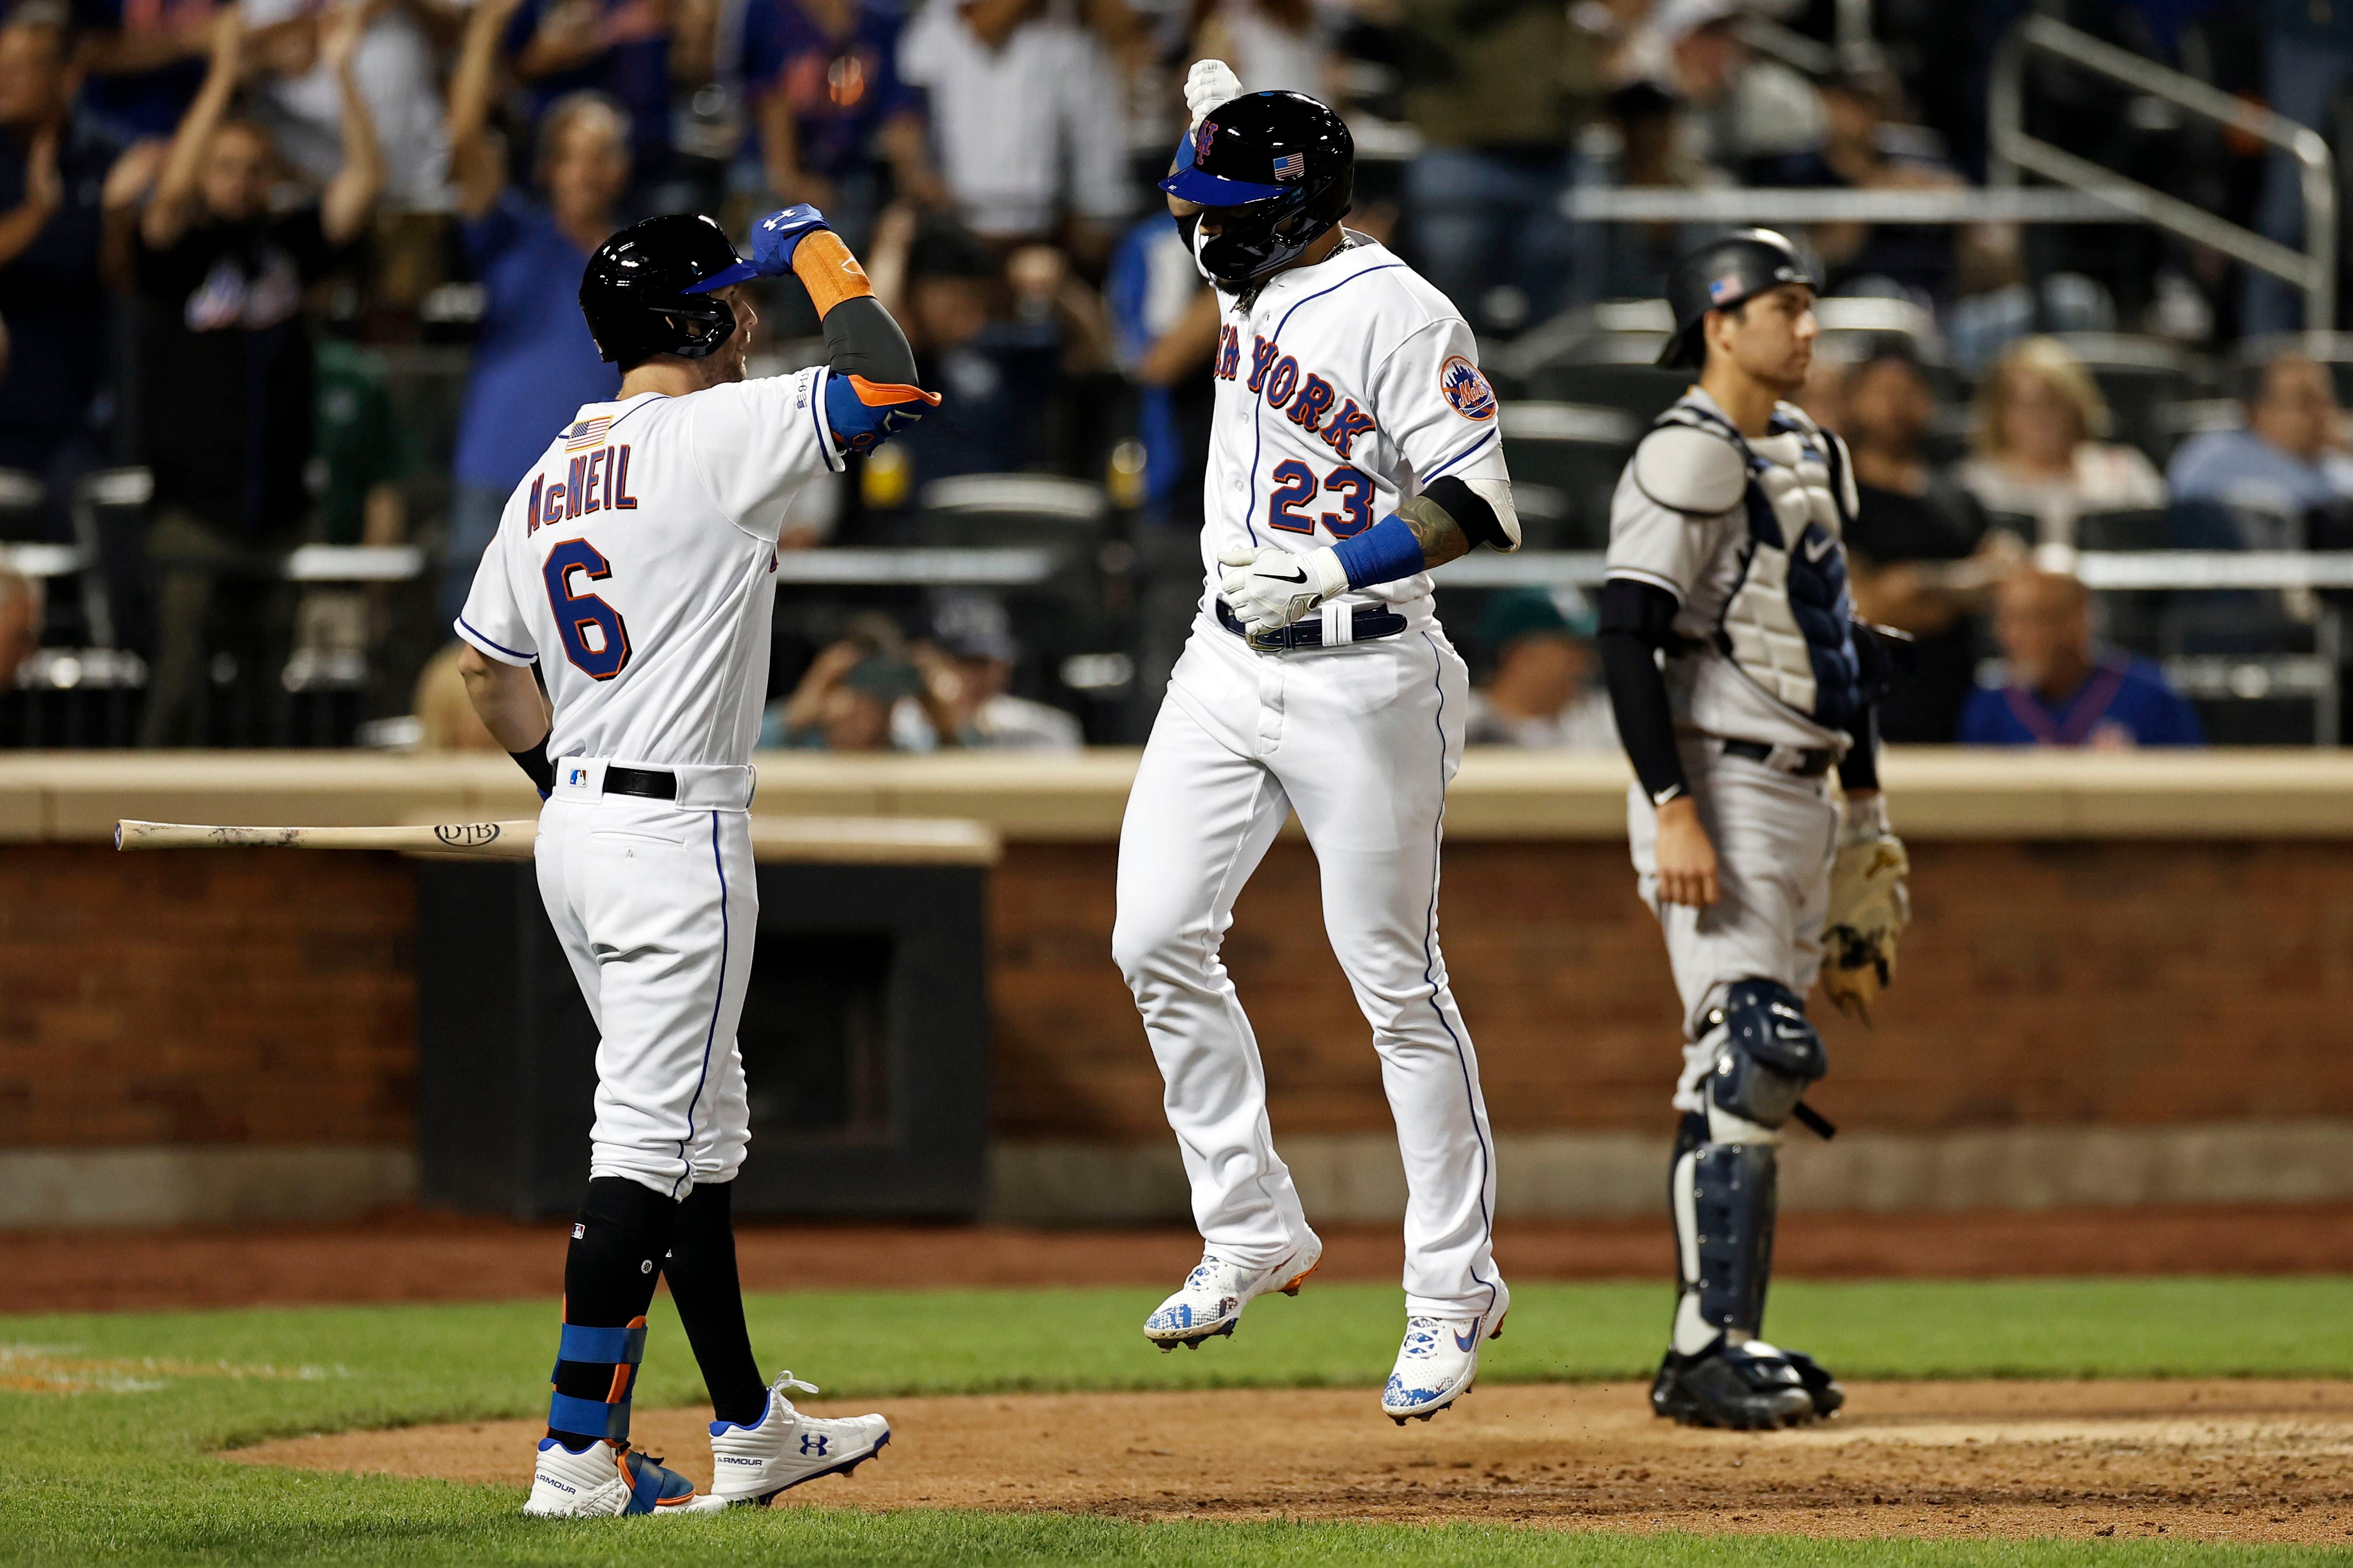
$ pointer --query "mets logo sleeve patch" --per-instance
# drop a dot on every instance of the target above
(1466, 392)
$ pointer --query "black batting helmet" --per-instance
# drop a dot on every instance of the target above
(1281, 168)
(637, 289)
(1725, 272)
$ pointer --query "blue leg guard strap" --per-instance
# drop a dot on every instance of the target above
(621, 1349)
(590, 1417)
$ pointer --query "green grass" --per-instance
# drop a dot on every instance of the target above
(126, 1474)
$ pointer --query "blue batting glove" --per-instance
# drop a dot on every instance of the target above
(777, 236)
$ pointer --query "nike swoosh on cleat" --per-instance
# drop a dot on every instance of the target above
(1468, 1342)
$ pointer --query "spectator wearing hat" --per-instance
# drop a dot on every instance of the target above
(535, 363)
(850, 699)
(1541, 693)
(970, 661)
(2289, 458)
(2058, 690)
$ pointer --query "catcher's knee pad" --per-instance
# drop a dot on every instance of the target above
(1770, 1054)
(1729, 1196)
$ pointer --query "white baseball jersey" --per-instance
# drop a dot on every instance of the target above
(634, 566)
(1343, 389)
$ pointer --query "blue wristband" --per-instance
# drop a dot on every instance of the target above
(1382, 554)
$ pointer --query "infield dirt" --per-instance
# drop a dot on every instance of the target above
(2257, 1461)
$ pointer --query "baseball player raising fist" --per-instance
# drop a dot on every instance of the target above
(1355, 448)
(633, 572)
(1739, 680)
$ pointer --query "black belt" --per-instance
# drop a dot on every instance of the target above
(1365, 625)
(646, 782)
(1811, 764)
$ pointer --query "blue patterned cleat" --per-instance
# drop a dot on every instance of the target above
(1211, 1299)
(784, 1448)
(604, 1481)
(1439, 1361)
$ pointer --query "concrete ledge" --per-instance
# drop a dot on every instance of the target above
(1569, 1175)
(1938, 792)
(59, 1189)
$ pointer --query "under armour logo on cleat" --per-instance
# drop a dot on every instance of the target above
(816, 1438)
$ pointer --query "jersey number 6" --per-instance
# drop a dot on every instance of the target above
(576, 614)
(1294, 485)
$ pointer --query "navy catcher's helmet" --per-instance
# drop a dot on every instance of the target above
(1281, 168)
(1727, 272)
(634, 291)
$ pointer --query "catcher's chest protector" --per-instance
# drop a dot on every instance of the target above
(1786, 625)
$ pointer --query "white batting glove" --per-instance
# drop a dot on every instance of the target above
(1269, 587)
(1209, 84)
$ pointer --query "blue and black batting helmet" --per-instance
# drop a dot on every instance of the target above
(1723, 275)
(641, 290)
(1279, 167)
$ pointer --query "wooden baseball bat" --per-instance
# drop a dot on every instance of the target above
(474, 840)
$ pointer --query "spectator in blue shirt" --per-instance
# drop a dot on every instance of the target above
(56, 222)
(145, 59)
(535, 363)
(2286, 461)
(616, 47)
(2060, 691)
(822, 79)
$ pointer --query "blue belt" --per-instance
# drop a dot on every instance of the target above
(1365, 625)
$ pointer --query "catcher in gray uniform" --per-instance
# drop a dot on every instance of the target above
(1740, 680)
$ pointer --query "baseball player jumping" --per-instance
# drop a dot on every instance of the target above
(633, 572)
(1355, 448)
(1739, 680)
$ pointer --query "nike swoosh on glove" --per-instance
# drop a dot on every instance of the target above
(777, 236)
(1209, 84)
(1269, 587)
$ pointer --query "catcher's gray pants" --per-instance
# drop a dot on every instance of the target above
(1775, 835)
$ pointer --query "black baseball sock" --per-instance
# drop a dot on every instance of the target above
(710, 1299)
(617, 1242)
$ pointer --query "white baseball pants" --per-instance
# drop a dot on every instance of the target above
(1361, 740)
(656, 906)
(1775, 835)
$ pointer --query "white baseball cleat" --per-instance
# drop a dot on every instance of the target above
(1439, 1361)
(1211, 1299)
(784, 1448)
(606, 1479)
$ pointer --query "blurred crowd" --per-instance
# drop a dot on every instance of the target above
(307, 266)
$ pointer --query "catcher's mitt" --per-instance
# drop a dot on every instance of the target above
(1871, 903)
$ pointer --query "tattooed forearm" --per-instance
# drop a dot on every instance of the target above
(1440, 537)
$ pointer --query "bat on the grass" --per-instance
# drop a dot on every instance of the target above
(478, 840)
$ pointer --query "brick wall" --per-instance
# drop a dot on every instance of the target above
(240, 997)
(267, 998)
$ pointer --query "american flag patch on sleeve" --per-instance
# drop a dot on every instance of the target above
(585, 433)
(1291, 165)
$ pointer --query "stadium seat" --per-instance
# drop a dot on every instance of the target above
(1565, 457)
(21, 497)
(2138, 375)
(1012, 508)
